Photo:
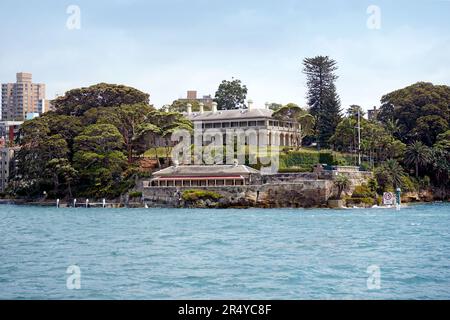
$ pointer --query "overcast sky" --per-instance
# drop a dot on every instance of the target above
(167, 47)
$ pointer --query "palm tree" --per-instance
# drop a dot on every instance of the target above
(342, 183)
(395, 171)
(417, 154)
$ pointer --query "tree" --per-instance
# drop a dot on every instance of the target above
(292, 112)
(440, 167)
(130, 117)
(323, 100)
(417, 154)
(78, 101)
(353, 110)
(99, 159)
(342, 183)
(421, 111)
(443, 141)
(275, 106)
(231, 95)
(389, 174)
(181, 106)
(100, 138)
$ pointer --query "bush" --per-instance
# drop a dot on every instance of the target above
(408, 185)
(194, 195)
(300, 159)
(135, 194)
(295, 169)
(358, 201)
(424, 182)
(363, 191)
(373, 185)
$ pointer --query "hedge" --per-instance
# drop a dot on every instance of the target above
(299, 159)
(194, 195)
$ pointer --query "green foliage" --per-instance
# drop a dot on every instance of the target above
(373, 185)
(376, 141)
(135, 194)
(363, 191)
(78, 101)
(292, 112)
(360, 201)
(408, 185)
(296, 169)
(194, 195)
(304, 159)
(389, 175)
(231, 95)
(420, 110)
(323, 99)
(341, 182)
(89, 145)
(418, 155)
(443, 141)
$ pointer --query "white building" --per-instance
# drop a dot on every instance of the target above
(282, 133)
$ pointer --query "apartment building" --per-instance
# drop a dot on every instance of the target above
(22, 98)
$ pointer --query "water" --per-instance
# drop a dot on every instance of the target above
(225, 254)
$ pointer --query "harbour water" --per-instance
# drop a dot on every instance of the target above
(226, 254)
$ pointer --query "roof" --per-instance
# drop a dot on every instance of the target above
(206, 170)
(231, 114)
(199, 178)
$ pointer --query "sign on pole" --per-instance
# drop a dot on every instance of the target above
(388, 198)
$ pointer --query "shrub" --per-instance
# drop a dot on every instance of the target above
(194, 195)
(326, 157)
(295, 169)
(135, 194)
(363, 191)
(304, 159)
(424, 182)
(373, 185)
(408, 185)
(358, 201)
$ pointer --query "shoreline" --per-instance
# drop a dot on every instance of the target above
(140, 205)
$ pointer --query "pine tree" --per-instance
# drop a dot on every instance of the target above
(323, 100)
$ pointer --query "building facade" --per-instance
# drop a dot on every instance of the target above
(372, 114)
(6, 165)
(9, 131)
(274, 131)
(22, 98)
(192, 96)
(203, 176)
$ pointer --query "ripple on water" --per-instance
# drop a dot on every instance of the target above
(241, 254)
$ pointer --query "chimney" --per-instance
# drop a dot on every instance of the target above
(250, 104)
(214, 107)
(189, 109)
(267, 106)
(201, 107)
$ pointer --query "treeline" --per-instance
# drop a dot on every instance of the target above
(90, 144)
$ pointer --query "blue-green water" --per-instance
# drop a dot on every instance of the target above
(228, 254)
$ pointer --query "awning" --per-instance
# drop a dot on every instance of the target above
(175, 178)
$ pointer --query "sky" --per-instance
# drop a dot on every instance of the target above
(167, 47)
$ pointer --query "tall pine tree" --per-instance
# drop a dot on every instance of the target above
(323, 100)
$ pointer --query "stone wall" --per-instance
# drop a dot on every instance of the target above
(291, 190)
(310, 193)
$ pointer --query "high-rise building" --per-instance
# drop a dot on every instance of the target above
(22, 98)
(192, 96)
